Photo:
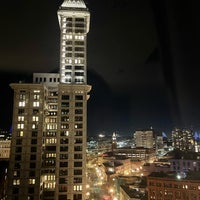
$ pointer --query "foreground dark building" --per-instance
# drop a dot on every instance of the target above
(48, 148)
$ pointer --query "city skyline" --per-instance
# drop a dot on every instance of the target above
(150, 41)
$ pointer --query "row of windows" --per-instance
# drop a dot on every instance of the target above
(23, 96)
(70, 30)
(78, 67)
(75, 55)
(76, 73)
(69, 19)
(65, 104)
(76, 43)
(62, 148)
(70, 25)
(54, 126)
(44, 79)
(21, 111)
(70, 61)
(17, 181)
(23, 104)
(76, 126)
(70, 36)
(76, 80)
(69, 48)
(48, 134)
(21, 126)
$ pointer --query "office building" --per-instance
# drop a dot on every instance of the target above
(144, 138)
(48, 148)
(183, 139)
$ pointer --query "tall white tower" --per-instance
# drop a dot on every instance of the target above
(74, 20)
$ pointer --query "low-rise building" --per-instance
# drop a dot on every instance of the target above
(172, 186)
(185, 161)
(139, 154)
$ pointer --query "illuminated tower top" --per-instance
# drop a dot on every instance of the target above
(73, 4)
(74, 20)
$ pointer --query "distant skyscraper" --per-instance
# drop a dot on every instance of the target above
(48, 150)
(183, 139)
(144, 138)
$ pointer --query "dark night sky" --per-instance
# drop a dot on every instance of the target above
(143, 60)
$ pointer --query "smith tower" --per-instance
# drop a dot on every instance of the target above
(74, 20)
(48, 148)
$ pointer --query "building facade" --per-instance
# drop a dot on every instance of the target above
(183, 139)
(48, 148)
(5, 149)
(144, 138)
(166, 186)
(184, 162)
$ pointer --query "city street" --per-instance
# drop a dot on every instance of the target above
(99, 187)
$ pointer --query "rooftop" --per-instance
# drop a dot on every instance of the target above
(173, 175)
(184, 155)
(133, 193)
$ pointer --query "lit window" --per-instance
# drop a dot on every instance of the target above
(34, 126)
(20, 126)
(35, 118)
(31, 181)
(51, 126)
(50, 185)
(36, 96)
(50, 155)
(22, 104)
(77, 187)
(69, 61)
(51, 141)
(20, 134)
(36, 91)
(22, 96)
(16, 182)
(68, 37)
(36, 104)
(79, 37)
(64, 133)
(20, 118)
(49, 178)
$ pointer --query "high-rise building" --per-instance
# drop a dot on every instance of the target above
(144, 138)
(183, 139)
(48, 148)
